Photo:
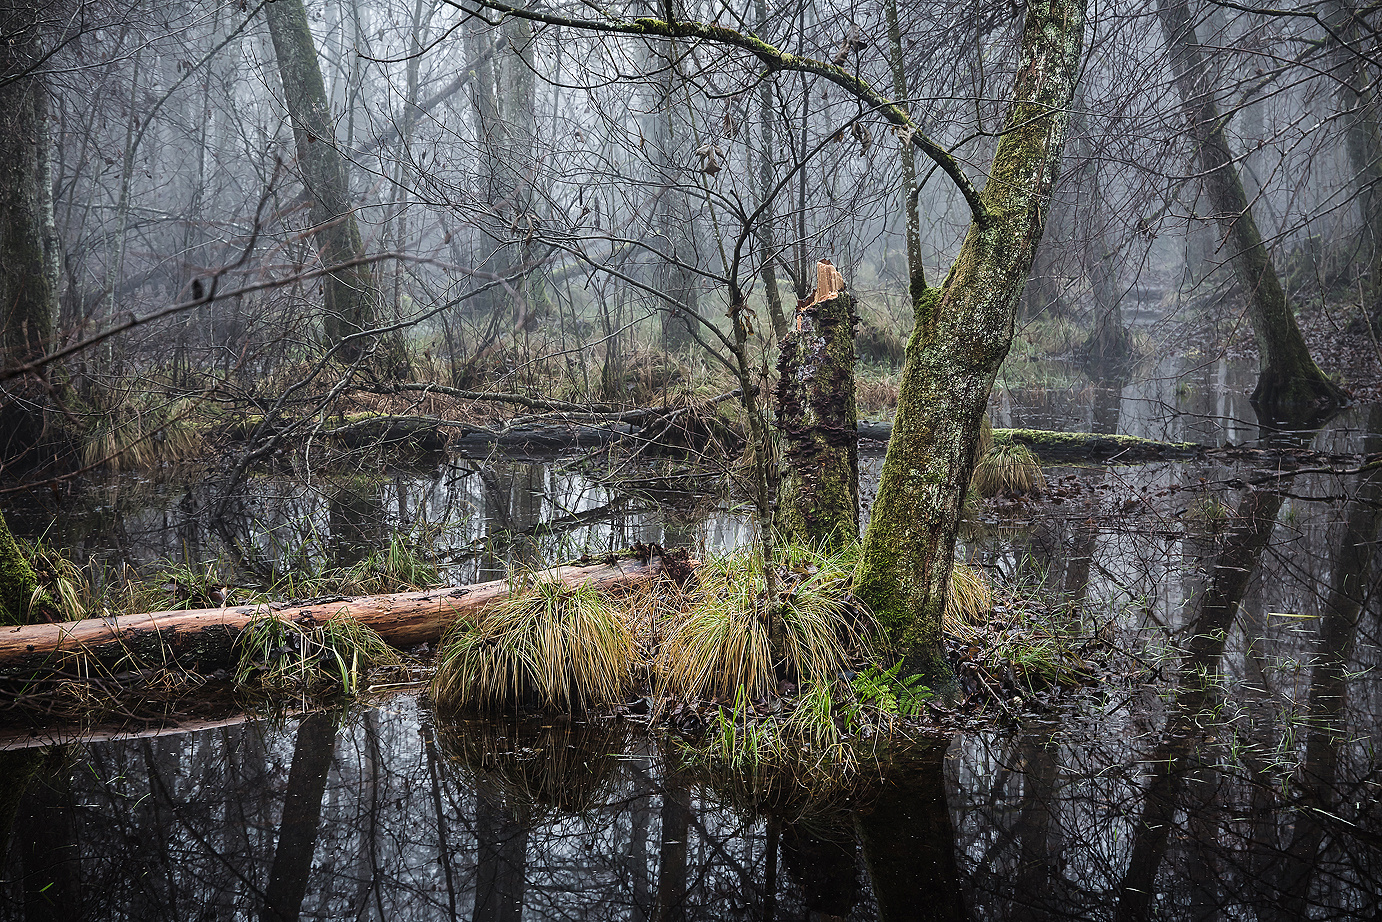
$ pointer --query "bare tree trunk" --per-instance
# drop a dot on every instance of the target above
(1363, 132)
(29, 252)
(818, 492)
(767, 232)
(1290, 386)
(352, 297)
(672, 213)
(962, 334)
(916, 274)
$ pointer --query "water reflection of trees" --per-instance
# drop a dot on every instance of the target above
(1246, 788)
(1250, 795)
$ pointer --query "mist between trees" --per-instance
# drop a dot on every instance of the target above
(260, 211)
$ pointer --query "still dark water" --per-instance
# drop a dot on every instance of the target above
(1243, 783)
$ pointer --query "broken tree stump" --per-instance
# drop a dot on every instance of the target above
(819, 486)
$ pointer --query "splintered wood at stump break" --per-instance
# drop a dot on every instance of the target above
(818, 496)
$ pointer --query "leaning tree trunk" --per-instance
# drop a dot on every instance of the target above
(818, 491)
(963, 332)
(1291, 386)
(352, 297)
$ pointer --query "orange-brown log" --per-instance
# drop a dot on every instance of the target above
(204, 639)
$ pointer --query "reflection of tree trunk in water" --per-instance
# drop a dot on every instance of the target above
(671, 856)
(17, 768)
(302, 810)
(640, 821)
(1079, 559)
(501, 865)
(357, 524)
(513, 495)
(1196, 688)
(443, 846)
(824, 862)
(774, 838)
(1038, 879)
(908, 843)
(47, 843)
(1349, 585)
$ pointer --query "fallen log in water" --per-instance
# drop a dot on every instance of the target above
(204, 639)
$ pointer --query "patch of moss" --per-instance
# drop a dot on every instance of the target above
(18, 583)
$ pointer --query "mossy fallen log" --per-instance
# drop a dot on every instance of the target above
(203, 640)
(1055, 446)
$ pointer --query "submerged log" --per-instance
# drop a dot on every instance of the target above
(204, 639)
(1051, 445)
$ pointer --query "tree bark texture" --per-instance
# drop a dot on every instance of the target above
(916, 273)
(352, 297)
(28, 253)
(818, 491)
(963, 331)
(29, 249)
(204, 639)
(1290, 386)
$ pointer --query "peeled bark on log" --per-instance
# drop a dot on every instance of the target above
(819, 488)
(204, 639)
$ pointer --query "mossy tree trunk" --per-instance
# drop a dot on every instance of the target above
(963, 331)
(1290, 386)
(352, 296)
(818, 490)
(17, 579)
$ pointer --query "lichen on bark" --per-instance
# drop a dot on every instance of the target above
(963, 331)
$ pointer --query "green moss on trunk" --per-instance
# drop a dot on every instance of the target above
(818, 493)
(17, 580)
(963, 332)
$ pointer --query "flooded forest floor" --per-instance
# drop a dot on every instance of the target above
(1214, 759)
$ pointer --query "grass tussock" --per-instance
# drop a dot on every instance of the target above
(554, 646)
(1008, 467)
(969, 601)
(275, 655)
(721, 642)
(139, 433)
